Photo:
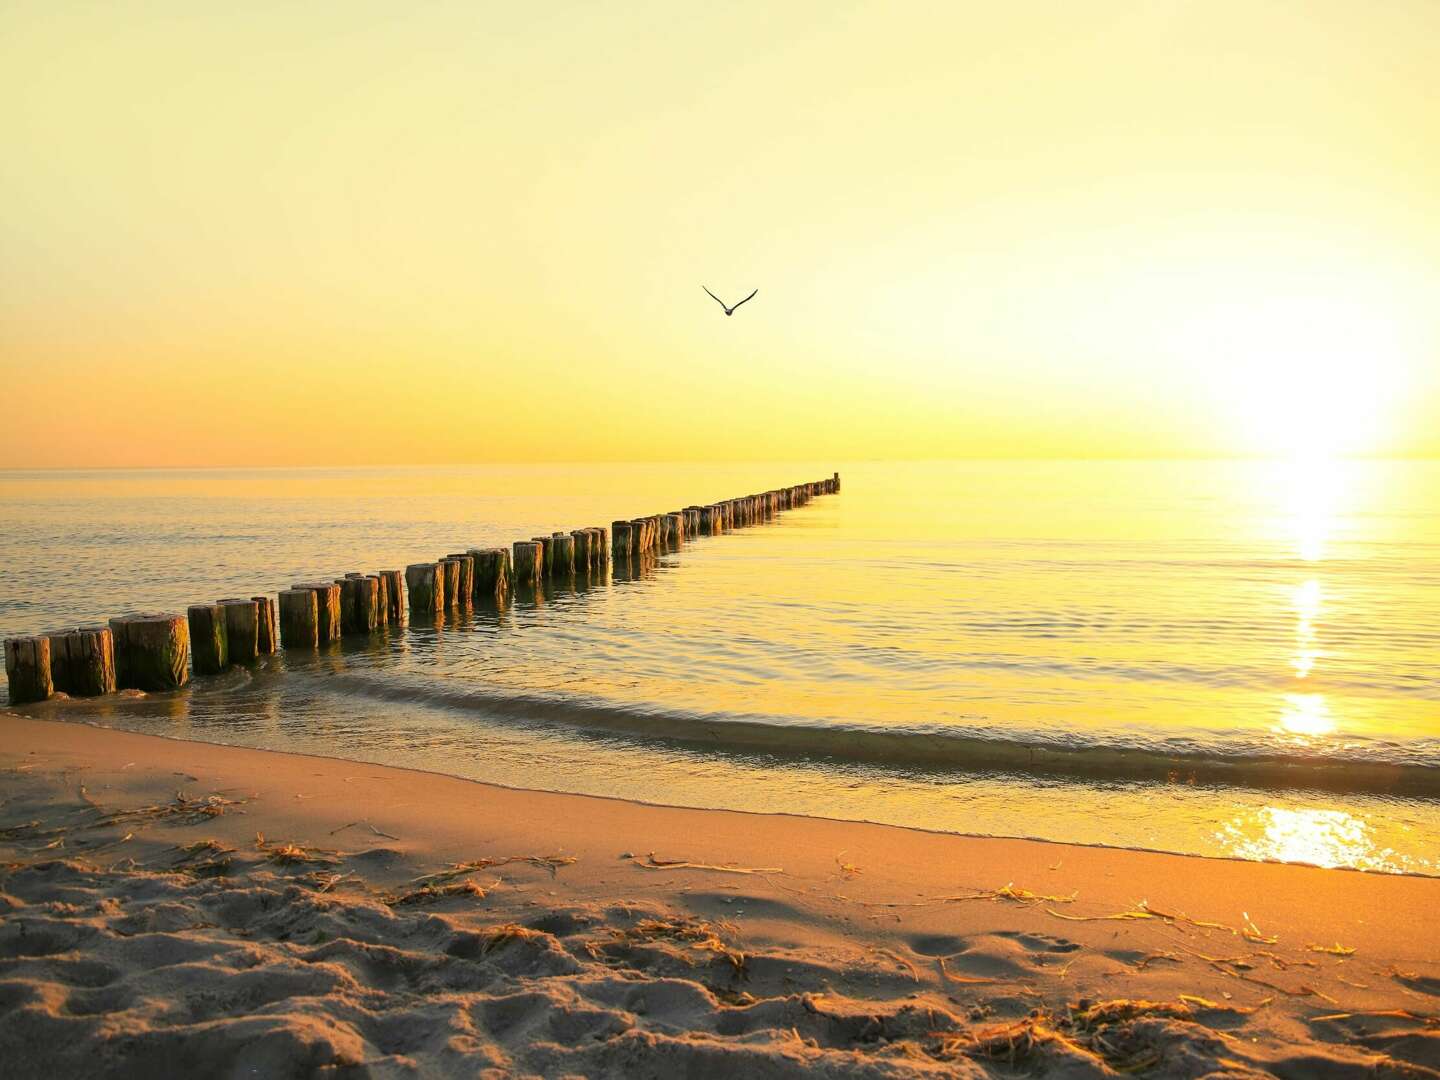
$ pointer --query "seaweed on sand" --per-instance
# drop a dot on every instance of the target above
(696, 934)
(429, 894)
(205, 858)
(551, 863)
(1011, 893)
(650, 862)
(182, 810)
(1089, 1030)
(294, 855)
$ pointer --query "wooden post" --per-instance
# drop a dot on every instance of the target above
(27, 667)
(395, 595)
(299, 619)
(465, 594)
(620, 530)
(601, 547)
(584, 560)
(529, 563)
(242, 630)
(382, 598)
(546, 543)
(152, 652)
(347, 602)
(370, 607)
(492, 573)
(359, 604)
(327, 609)
(268, 641)
(82, 661)
(209, 651)
(560, 556)
(450, 568)
(426, 584)
(327, 603)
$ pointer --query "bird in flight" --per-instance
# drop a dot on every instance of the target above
(729, 310)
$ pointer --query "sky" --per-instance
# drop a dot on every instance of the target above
(349, 233)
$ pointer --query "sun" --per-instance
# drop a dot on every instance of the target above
(1307, 374)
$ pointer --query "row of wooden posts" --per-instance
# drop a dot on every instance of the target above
(157, 652)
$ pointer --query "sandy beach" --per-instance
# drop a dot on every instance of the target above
(178, 908)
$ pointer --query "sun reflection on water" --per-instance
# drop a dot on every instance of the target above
(1312, 487)
(1306, 714)
(1307, 608)
(1320, 837)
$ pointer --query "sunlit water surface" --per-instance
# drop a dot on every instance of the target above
(1217, 658)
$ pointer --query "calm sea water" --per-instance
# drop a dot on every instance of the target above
(1218, 658)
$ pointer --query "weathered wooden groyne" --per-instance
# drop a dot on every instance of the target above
(157, 652)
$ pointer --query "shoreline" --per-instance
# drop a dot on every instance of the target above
(6, 713)
(274, 912)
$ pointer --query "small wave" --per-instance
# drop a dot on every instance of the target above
(934, 749)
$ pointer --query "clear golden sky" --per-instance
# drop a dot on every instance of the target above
(355, 232)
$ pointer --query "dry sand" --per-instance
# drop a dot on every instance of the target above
(171, 908)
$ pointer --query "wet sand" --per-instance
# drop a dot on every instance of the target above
(171, 908)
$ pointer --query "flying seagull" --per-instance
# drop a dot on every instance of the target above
(728, 310)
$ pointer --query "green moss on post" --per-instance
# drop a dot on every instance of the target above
(152, 652)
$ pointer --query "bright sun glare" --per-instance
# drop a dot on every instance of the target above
(1308, 378)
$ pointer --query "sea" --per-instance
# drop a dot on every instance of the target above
(1235, 659)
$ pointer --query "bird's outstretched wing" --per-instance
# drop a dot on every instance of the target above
(742, 301)
(714, 297)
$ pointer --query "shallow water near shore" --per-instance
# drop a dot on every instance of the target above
(1217, 658)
